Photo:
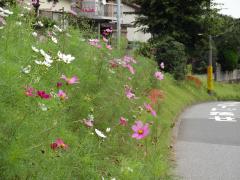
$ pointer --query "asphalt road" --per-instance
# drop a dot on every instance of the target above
(208, 142)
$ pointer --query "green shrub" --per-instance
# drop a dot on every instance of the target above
(173, 54)
(228, 59)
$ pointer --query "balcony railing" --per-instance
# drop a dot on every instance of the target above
(97, 10)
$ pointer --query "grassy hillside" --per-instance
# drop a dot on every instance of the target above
(32, 120)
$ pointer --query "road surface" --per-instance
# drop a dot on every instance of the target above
(208, 142)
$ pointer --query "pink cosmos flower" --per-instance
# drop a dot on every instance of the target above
(59, 144)
(72, 80)
(150, 109)
(130, 68)
(123, 121)
(59, 84)
(29, 91)
(108, 30)
(129, 59)
(159, 75)
(88, 122)
(109, 47)
(93, 42)
(43, 94)
(129, 93)
(105, 39)
(62, 95)
(140, 130)
(162, 65)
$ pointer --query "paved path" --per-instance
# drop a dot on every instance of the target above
(208, 142)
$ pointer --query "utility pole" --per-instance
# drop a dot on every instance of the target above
(118, 23)
(210, 68)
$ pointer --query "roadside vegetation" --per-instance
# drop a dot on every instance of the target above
(74, 108)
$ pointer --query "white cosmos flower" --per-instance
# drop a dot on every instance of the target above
(3, 15)
(47, 58)
(45, 55)
(21, 15)
(40, 23)
(35, 49)
(57, 28)
(38, 62)
(6, 11)
(1, 27)
(26, 69)
(100, 134)
(54, 39)
(108, 130)
(34, 34)
(46, 63)
(67, 58)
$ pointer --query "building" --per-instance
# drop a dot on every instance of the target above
(103, 12)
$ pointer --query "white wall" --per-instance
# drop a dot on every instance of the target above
(45, 5)
(133, 33)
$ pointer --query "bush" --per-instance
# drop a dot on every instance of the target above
(172, 53)
(144, 49)
(228, 59)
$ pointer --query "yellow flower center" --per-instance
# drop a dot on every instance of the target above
(62, 145)
(140, 131)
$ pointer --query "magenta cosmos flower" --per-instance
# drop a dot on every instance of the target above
(159, 75)
(123, 121)
(140, 130)
(59, 144)
(72, 80)
(43, 94)
(29, 91)
(62, 95)
(59, 84)
(150, 109)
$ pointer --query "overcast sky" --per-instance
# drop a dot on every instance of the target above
(230, 7)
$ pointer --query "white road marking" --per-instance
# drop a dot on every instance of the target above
(224, 119)
(224, 112)
(221, 113)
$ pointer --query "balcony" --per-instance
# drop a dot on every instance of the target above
(96, 10)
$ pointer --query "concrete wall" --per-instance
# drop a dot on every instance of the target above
(228, 75)
(133, 33)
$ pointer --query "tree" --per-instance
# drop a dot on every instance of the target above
(181, 19)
